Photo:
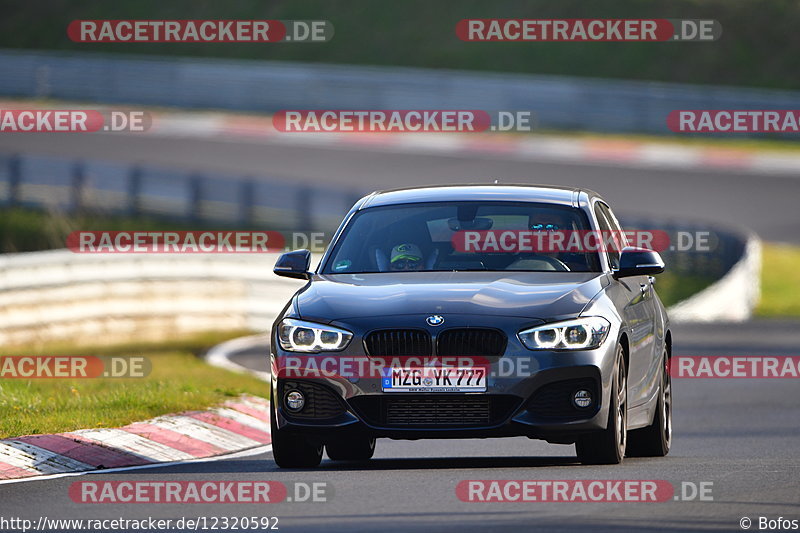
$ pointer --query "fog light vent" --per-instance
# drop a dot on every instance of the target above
(582, 399)
(295, 400)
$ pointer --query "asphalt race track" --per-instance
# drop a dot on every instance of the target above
(764, 203)
(739, 434)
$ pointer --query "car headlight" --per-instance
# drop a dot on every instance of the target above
(300, 336)
(578, 334)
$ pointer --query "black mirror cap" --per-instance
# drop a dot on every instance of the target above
(638, 262)
(293, 265)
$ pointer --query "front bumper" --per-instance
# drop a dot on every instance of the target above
(528, 394)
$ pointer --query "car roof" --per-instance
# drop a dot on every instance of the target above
(553, 194)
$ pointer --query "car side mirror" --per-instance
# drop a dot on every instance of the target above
(294, 265)
(638, 262)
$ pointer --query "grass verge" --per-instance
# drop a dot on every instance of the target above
(179, 381)
(25, 229)
(756, 48)
(780, 281)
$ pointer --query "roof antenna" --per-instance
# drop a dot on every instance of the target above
(496, 182)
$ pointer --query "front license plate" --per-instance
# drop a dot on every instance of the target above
(447, 379)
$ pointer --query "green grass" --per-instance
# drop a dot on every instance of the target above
(25, 229)
(780, 281)
(757, 48)
(196, 343)
(179, 381)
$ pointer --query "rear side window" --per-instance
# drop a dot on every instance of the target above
(608, 223)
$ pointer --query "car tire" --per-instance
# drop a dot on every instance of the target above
(655, 440)
(358, 449)
(293, 451)
(607, 447)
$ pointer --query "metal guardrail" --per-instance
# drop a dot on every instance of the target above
(75, 185)
(731, 298)
(725, 248)
(89, 298)
(559, 102)
(61, 295)
(102, 187)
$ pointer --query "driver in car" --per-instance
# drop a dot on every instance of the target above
(549, 221)
(553, 222)
(405, 257)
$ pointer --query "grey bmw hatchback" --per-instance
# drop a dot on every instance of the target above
(473, 311)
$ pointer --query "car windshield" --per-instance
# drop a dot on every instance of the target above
(461, 236)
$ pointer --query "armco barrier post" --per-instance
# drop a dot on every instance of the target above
(77, 187)
(195, 184)
(14, 179)
(303, 215)
(247, 202)
(134, 190)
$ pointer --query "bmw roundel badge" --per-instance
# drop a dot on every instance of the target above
(435, 320)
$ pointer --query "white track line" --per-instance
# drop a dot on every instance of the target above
(219, 355)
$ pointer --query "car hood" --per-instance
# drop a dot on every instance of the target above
(541, 295)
